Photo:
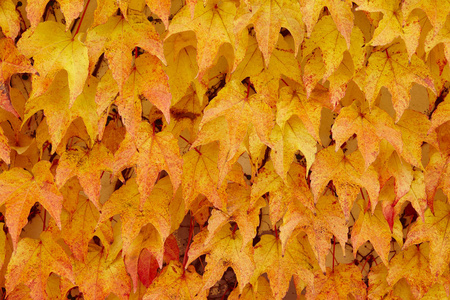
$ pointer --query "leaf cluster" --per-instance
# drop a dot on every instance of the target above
(211, 149)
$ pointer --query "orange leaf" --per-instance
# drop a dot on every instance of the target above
(99, 276)
(225, 250)
(161, 147)
(337, 284)
(392, 69)
(70, 8)
(404, 265)
(370, 126)
(20, 189)
(175, 282)
(11, 62)
(327, 221)
(435, 230)
(347, 174)
(87, 165)
(281, 265)
(213, 26)
(268, 16)
(117, 38)
(32, 263)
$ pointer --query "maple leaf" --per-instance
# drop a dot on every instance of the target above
(370, 126)
(126, 202)
(341, 13)
(213, 26)
(434, 229)
(337, 284)
(436, 11)
(281, 265)
(117, 38)
(32, 263)
(282, 192)
(21, 189)
(11, 62)
(238, 210)
(379, 287)
(261, 291)
(55, 52)
(161, 147)
(287, 141)
(373, 227)
(58, 115)
(326, 221)
(174, 281)
(9, 20)
(434, 39)
(404, 265)
(347, 174)
(326, 36)
(393, 24)
(239, 109)
(200, 175)
(294, 100)
(71, 9)
(413, 126)
(268, 16)
(437, 175)
(148, 79)
(225, 250)
(110, 275)
(87, 165)
(78, 225)
(393, 69)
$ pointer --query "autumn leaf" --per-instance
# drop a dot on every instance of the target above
(175, 281)
(21, 189)
(267, 17)
(55, 52)
(11, 62)
(32, 263)
(374, 228)
(282, 193)
(111, 276)
(328, 221)
(281, 265)
(225, 250)
(403, 265)
(213, 27)
(393, 69)
(137, 84)
(161, 147)
(239, 211)
(338, 284)
(370, 126)
(87, 165)
(126, 202)
(200, 175)
(340, 12)
(433, 229)
(260, 291)
(347, 174)
(9, 21)
(71, 9)
(393, 24)
(239, 109)
(117, 38)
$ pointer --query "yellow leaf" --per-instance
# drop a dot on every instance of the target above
(55, 52)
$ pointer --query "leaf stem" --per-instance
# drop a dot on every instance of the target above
(234, 228)
(195, 148)
(82, 17)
